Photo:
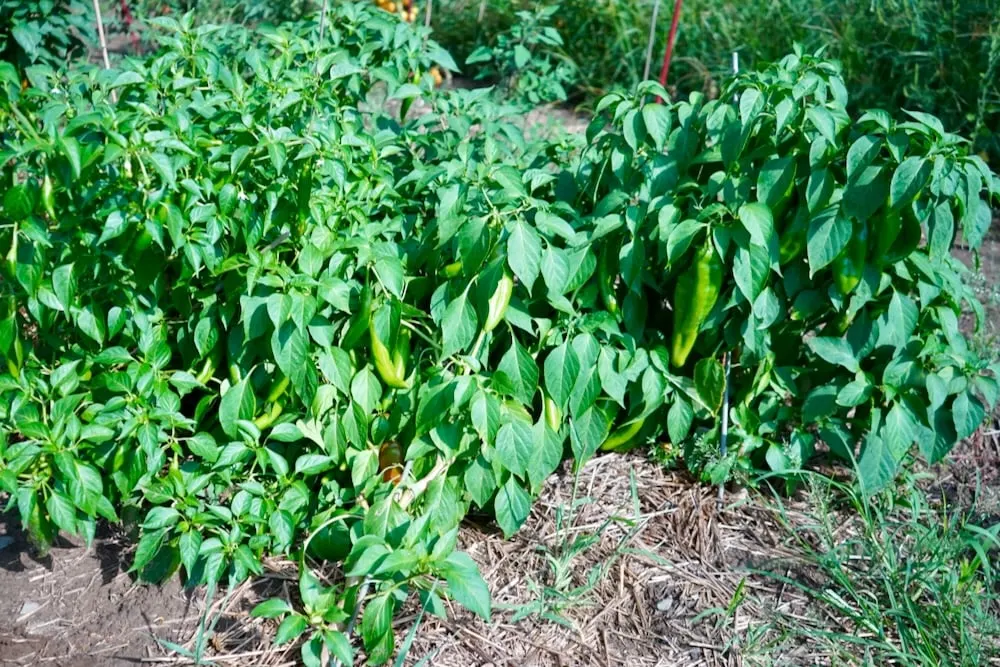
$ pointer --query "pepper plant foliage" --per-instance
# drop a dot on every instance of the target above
(246, 311)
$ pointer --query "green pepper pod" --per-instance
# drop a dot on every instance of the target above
(207, 371)
(48, 197)
(278, 388)
(605, 281)
(381, 356)
(850, 264)
(401, 354)
(792, 241)
(499, 302)
(624, 438)
(695, 294)
(362, 319)
(553, 415)
(909, 237)
(9, 265)
(452, 270)
(885, 230)
(266, 420)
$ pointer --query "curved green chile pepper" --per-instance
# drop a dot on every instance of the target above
(850, 263)
(624, 438)
(499, 302)
(384, 362)
(266, 420)
(361, 321)
(605, 281)
(885, 231)
(792, 241)
(207, 371)
(908, 240)
(278, 389)
(695, 294)
(48, 197)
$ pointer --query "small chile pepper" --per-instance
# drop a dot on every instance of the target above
(278, 389)
(499, 302)
(48, 197)
(553, 415)
(695, 294)
(390, 460)
(266, 420)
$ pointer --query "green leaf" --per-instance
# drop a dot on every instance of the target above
(459, 325)
(189, 547)
(512, 506)
(757, 220)
(710, 383)
(775, 182)
(587, 432)
(969, 414)
(562, 368)
(940, 230)
(837, 351)
(238, 403)
(524, 253)
(657, 119)
(479, 481)
(861, 153)
(877, 466)
(515, 444)
(466, 585)
(680, 416)
(751, 267)
(907, 181)
(898, 431)
(823, 121)
(517, 373)
(290, 629)
(62, 512)
(828, 235)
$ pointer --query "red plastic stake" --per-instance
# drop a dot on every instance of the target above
(670, 44)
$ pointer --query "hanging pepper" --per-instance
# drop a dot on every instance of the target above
(885, 231)
(266, 420)
(499, 302)
(362, 318)
(278, 388)
(390, 459)
(624, 438)
(9, 265)
(695, 294)
(792, 240)
(553, 415)
(207, 371)
(605, 281)
(908, 239)
(385, 361)
(452, 270)
(401, 353)
(48, 197)
(850, 264)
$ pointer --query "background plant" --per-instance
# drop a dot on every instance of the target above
(938, 56)
(43, 31)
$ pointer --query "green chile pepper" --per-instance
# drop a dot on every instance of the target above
(695, 294)
(48, 197)
(385, 363)
(362, 319)
(624, 438)
(908, 239)
(553, 415)
(850, 264)
(605, 281)
(278, 388)
(9, 265)
(792, 241)
(266, 420)
(499, 302)
(401, 353)
(207, 371)
(452, 270)
(885, 231)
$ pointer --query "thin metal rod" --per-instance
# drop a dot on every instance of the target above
(652, 41)
(322, 28)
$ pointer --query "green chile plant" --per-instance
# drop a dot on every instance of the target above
(839, 302)
(246, 312)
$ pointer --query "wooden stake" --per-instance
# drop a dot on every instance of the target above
(322, 28)
(665, 70)
(427, 14)
(104, 43)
